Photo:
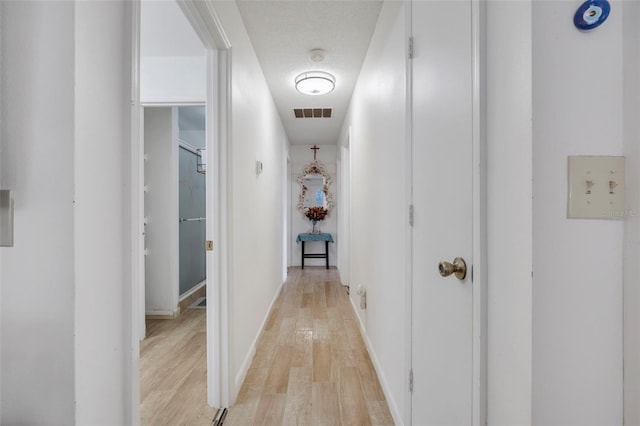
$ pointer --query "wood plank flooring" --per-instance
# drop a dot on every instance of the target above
(311, 365)
(173, 372)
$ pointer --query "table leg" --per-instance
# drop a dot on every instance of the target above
(326, 252)
(302, 254)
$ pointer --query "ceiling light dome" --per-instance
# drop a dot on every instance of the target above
(315, 83)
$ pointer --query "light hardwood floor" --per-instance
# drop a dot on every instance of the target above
(311, 365)
(173, 372)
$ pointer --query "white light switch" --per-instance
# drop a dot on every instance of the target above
(596, 187)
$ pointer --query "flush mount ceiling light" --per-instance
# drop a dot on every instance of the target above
(315, 83)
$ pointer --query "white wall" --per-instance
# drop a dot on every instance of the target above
(301, 156)
(161, 210)
(63, 284)
(257, 210)
(173, 79)
(103, 327)
(173, 62)
(38, 291)
(631, 52)
(577, 283)
(509, 204)
(379, 201)
(570, 370)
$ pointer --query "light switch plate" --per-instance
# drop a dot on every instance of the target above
(596, 187)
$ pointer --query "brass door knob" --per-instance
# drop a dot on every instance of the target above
(458, 267)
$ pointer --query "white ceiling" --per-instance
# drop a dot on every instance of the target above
(284, 32)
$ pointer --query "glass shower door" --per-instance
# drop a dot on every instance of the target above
(192, 221)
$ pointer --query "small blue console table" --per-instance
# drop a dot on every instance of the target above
(327, 238)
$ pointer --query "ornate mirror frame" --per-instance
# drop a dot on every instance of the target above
(315, 168)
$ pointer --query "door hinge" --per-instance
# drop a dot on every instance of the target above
(411, 215)
(410, 48)
(411, 380)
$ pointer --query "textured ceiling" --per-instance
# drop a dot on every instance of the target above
(284, 32)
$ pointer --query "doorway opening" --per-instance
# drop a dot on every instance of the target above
(171, 81)
(174, 208)
(344, 221)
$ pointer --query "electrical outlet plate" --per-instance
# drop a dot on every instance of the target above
(596, 187)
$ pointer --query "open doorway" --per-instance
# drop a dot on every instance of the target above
(174, 209)
(177, 86)
(344, 225)
(173, 95)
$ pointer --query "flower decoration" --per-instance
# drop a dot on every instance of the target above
(316, 213)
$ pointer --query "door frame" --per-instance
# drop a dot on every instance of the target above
(479, 238)
(344, 213)
(479, 214)
(286, 219)
(207, 26)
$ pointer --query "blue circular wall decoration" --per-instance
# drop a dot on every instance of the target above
(591, 14)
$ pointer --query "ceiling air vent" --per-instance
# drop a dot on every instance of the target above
(312, 112)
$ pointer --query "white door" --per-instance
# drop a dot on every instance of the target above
(442, 198)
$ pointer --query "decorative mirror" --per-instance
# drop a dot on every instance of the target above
(314, 187)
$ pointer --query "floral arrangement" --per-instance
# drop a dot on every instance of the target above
(316, 213)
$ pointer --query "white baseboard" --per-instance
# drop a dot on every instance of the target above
(246, 364)
(391, 402)
(168, 314)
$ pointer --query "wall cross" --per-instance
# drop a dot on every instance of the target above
(315, 149)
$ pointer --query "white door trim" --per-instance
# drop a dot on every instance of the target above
(409, 208)
(344, 224)
(137, 305)
(479, 267)
(207, 25)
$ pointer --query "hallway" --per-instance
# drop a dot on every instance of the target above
(311, 365)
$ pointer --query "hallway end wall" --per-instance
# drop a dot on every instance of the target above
(300, 157)
(379, 202)
(256, 199)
